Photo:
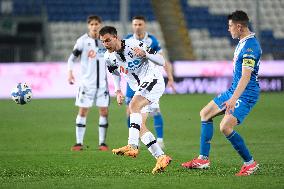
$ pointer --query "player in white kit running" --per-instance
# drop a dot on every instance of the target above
(141, 67)
(93, 87)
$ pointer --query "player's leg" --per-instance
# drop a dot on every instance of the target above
(159, 126)
(227, 128)
(80, 128)
(149, 139)
(211, 110)
(135, 106)
(103, 126)
(84, 102)
(102, 101)
(151, 143)
(128, 97)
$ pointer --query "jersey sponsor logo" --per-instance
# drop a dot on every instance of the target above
(133, 64)
(248, 62)
(249, 50)
(91, 54)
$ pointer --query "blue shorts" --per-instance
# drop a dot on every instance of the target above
(242, 108)
(129, 94)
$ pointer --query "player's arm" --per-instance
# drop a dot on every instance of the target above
(113, 69)
(146, 52)
(117, 89)
(169, 70)
(247, 68)
(77, 51)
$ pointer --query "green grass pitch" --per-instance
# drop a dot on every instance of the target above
(35, 141)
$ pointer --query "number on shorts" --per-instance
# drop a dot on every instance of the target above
(238, 103)
(149, 86)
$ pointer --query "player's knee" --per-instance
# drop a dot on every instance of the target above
(133, 107)
(83, 112)
(104, 112)
(226, 130)
(204, 115)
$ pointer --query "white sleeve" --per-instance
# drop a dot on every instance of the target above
(77, 50)
(156, 58)
(113, 69)
(70, 62)
(116, 81)
(152, 55)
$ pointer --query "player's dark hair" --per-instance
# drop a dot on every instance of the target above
(108, 30)
(94, 17)
(139, 17)
(239, 16)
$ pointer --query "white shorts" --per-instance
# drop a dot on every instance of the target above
(86, 97)
(152, 89)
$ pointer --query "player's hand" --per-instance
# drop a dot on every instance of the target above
(171, 85)
(71, 78)
(119, 97)
(139, 52)
(230, 106)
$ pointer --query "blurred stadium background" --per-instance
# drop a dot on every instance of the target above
(191, 31)
(36, 38)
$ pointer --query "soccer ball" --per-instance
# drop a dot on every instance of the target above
(22, 94)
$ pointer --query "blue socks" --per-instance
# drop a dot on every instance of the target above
(205, 137)
(239, 145)
(159, 124)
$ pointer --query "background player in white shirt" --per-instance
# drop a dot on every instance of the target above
(93, 86)
(139, 33)
(141, 67)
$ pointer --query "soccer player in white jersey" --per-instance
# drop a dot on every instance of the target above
(93, 86)
(141, 67)
(139, 33)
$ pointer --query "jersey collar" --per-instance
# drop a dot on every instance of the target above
(145, 37)
(251, 35)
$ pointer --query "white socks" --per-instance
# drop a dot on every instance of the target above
(135, 125)
(103, 124)
(80, 129)
(149, 140)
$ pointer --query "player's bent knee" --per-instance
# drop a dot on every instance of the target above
(133, 107)
(204, 115)
(226, 130)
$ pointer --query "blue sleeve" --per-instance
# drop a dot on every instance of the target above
(155, 44)
(251, 54)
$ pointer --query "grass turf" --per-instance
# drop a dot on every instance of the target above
(36, 139)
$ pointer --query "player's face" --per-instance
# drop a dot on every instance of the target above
(109, 41)
(138, 26)
(94, 26)
(234, 29)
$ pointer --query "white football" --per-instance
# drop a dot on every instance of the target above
(22, 94)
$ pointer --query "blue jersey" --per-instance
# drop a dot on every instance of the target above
(149, 40)
(247, 54)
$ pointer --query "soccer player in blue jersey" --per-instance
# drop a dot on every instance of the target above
(237, 101)
(139, 33)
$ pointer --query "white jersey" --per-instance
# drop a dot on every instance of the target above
(134, 68)
(93, 66)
